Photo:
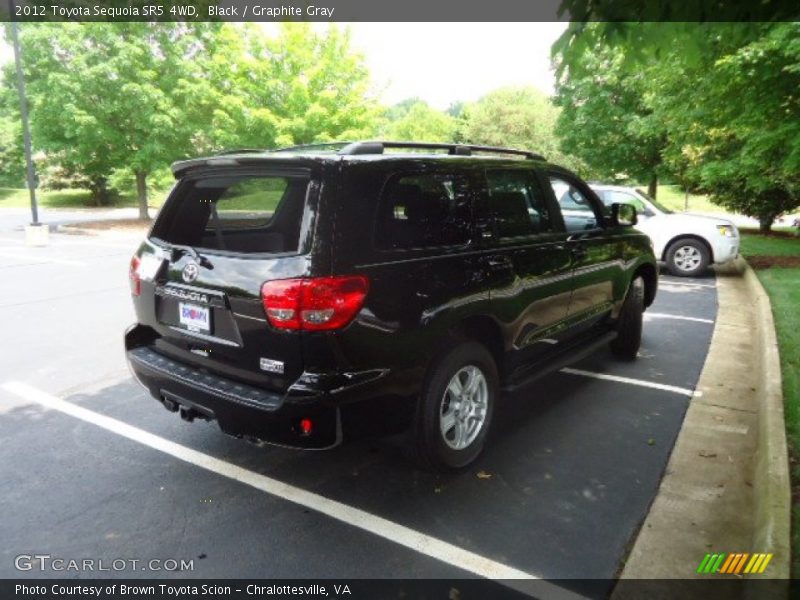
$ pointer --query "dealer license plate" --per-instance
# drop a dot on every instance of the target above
(193, 317)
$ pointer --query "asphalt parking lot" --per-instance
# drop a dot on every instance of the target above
(560, 493)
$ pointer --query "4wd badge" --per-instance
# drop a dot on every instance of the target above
(273, 366)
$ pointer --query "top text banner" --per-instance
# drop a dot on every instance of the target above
(398, 10)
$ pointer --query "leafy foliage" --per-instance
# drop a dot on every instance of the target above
(605, 119)
(297, 88)
(719, 98)
(618, 13)
(137, 96)
(751, 142)
(414, 120)
(109, 95)
(12, 163)
(521, 117)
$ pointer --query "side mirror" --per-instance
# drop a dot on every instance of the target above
(623, 215)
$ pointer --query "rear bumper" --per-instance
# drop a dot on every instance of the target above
(239, 409)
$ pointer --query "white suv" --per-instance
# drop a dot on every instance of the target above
(687, 243)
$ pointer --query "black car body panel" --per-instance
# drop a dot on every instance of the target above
(471, 269)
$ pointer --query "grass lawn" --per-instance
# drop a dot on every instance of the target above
(20, 198)
(78, 198)
(779, 243)
(783, 287)
(672, 197)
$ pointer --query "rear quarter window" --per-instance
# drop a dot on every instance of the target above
(236, 213)
(423, 211)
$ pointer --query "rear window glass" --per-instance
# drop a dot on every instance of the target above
(424, 210)
(237, 214)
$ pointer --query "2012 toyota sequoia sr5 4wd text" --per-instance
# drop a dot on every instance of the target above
(301, 295)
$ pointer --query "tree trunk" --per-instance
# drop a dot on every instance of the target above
(100, 192)
(652, 187)
(141, 192)
(765, 223)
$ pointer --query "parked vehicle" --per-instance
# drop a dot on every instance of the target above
(304, 295)
(687, 243)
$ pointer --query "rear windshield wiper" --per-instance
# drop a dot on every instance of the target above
(179, 250)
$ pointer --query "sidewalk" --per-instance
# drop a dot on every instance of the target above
(720, 492)
(15, 219)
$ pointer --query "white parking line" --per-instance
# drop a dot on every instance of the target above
(678, 317)
(632, 381)
(42, 259)
(389, 530)
(687, 284)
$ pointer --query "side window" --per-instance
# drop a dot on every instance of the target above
(424, 210)
(577, 210)
(517, 203)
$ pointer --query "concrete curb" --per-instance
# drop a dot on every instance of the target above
(72, 230)
(78, 229)
(771, 478)
(726, 485)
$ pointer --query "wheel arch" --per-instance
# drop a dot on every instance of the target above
(486, 331)
(648, 273)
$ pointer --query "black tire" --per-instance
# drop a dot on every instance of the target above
(688, 257)
(629, 324)
(433, 448)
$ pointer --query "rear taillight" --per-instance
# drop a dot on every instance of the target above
(318, 304)
(133, 273)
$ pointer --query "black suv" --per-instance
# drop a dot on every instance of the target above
(299, 295)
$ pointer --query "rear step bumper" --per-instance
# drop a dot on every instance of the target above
(239, 409)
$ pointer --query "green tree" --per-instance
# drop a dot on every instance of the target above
(12, 163)
(606, 119)
(137, 96)
(520, 117)
(746, 125)
(397, 111)
(111, 95)
(725, 97)
(416, 121)
(456, 109)
(297, 88)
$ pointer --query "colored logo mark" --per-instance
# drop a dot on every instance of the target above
(735, 563)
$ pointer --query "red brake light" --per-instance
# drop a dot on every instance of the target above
(318, 304)
(136, 282)
(281, 299)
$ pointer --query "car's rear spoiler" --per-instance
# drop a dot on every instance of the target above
(283, 162)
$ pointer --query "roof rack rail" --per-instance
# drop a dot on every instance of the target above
(377, 147)
(332, 146)
(239, 151)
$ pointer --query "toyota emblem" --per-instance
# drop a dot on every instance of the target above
(190, 272)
